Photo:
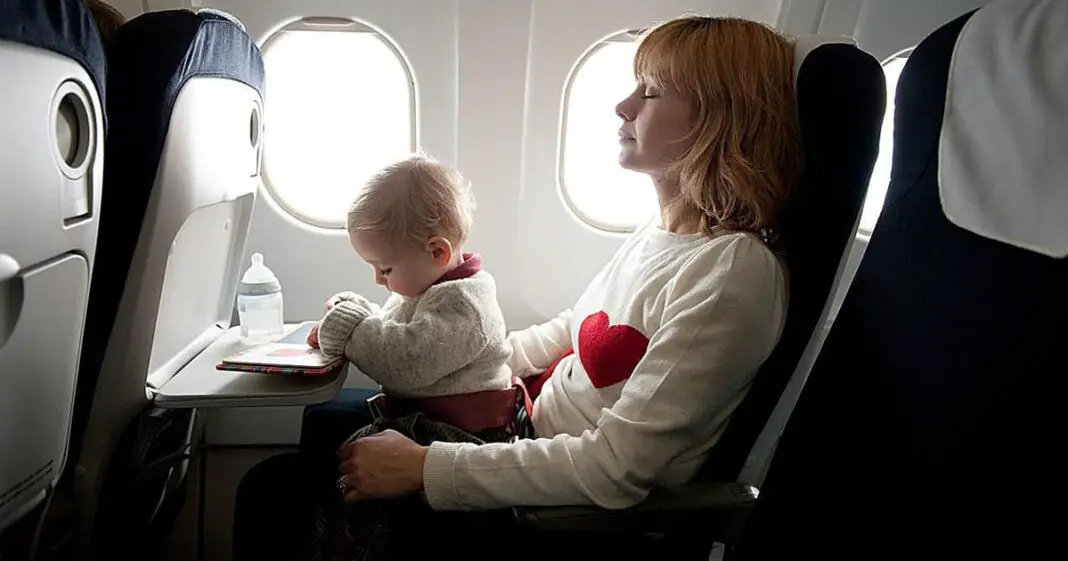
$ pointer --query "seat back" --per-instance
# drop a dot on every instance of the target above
(51, 109)
(932, 417)
(184, 149)
(841, 94)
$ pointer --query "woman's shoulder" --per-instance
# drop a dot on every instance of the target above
(745, 245)
(731, 256)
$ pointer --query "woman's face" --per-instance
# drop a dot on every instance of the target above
(656, 125)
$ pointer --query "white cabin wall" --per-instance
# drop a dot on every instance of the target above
(885, 27)
(882, 27)
(494, 39)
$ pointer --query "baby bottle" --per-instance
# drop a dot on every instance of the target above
(259, 303)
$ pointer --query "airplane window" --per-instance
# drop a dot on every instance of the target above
(594, 187)
(880, 175)
(341, 104)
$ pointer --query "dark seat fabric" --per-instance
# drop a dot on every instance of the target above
(841, 96)
(931, 422)
(150, 59)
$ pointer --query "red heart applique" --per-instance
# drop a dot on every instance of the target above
(609, 353)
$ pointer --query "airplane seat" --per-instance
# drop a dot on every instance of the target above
(51, 167)
(841, 93)
(186, 103)
(929, 424)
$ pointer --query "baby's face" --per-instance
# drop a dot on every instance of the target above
(406, 270)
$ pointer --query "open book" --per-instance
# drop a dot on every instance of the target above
(288, 355)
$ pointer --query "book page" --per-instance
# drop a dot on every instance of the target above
(290, 351)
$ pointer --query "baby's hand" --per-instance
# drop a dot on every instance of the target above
(313, 337)
(348, 296)
(341, 297)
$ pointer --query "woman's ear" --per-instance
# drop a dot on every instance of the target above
(440, 249)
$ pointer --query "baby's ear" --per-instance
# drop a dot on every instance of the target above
(440, 250)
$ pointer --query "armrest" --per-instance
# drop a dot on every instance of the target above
(706, 507)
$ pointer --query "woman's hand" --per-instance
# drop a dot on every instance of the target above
(313, 337)
(382, 466)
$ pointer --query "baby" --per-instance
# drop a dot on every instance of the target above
(437, 346)
(441, 332)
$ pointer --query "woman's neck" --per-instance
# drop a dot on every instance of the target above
(676, 216)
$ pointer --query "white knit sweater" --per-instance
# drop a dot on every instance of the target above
(449, 340)
(667, 339)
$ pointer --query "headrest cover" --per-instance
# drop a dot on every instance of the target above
(1003, 173)
(803, 46)
(65, 27)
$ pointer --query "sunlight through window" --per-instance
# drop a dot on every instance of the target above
(880, 175)
(595, 188)
(340, 105)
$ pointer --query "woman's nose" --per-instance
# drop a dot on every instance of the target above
(622, 110)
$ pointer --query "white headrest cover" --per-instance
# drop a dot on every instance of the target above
(1003, 170)
(803, 46)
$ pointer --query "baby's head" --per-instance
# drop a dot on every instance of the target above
(410, 223)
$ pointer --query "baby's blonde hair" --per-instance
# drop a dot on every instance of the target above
(739, 75)
(413, 200)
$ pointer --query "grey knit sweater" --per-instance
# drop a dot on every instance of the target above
(450, 340)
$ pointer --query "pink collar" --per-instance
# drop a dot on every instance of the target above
(471, 264)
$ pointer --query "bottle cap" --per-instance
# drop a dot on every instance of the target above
(258, 279)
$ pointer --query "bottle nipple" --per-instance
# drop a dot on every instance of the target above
(257, 259)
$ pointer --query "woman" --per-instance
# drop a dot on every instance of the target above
(639, 379)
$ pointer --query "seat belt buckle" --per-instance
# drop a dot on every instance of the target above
(376, 404)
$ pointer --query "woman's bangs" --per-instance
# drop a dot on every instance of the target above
(654, 63)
